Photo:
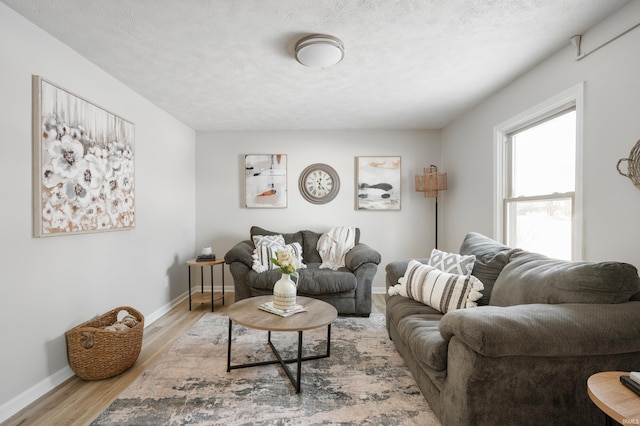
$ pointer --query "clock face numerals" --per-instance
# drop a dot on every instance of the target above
(319, 183)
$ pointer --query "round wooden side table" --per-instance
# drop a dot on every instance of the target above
(202, 264)
(612, 397)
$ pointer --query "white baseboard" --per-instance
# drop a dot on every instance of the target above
(21, 401)
(13, 406)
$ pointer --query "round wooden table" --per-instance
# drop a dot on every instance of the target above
(247, 313)
(612, 397)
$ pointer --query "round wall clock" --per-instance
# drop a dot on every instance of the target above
(319, 183)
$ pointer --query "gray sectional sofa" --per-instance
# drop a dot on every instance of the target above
(348, 289)
(524, 356)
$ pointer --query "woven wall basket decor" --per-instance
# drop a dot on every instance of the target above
(633, 165)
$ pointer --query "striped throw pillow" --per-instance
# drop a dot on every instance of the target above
(440, 290)
(262, 256)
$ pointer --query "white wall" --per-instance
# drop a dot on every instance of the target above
(611, 128)
(223, 221)
(49, 285)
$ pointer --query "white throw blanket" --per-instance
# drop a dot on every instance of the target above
(334, 245)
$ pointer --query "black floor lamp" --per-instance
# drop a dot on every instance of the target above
(430, 182)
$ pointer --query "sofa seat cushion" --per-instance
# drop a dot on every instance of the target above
(422, 335)
(418, 327)
(534, 278)
(312, 280)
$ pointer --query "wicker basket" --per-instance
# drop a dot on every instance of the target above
(633, 165)
(95, 353)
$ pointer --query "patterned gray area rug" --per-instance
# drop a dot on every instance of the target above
(363, 382)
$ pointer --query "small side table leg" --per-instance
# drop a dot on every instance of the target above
(201, 279)
(189, 284)
(212, 302)
(222, 266)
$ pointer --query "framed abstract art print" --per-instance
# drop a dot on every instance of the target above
(378, 183)
(265, 181)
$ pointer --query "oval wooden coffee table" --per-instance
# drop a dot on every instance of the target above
(247, 313)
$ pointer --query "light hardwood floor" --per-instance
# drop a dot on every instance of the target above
(78, 402)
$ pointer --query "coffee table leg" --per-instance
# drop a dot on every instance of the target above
(295, 381)
(297, 384)
(229, 347)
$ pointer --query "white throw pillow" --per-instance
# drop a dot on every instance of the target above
(451, 262)
(440, 290)
(262, 256)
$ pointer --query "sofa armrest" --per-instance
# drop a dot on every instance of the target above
(361, 254)
(396, 269)
(546, 330)
(241, 252)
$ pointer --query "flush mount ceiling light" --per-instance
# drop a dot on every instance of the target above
(319, 51)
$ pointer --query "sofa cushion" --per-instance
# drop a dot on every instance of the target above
(421, 334)
(440, 290)
(452, 263)
(534, 278)
(311, 280)
(491, 257)
(310, 245)
(418, 327)
(288, 238)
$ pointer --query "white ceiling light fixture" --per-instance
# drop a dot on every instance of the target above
(319, 51)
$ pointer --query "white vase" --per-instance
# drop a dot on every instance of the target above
(284, 293)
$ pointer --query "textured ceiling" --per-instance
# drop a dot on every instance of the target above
(229, 65)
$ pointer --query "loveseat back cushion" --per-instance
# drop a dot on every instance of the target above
(295, 237)
(312, 280)
(310, 246)
(535, 278)
(491, 257)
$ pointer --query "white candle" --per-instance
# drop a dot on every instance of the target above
(207, 250)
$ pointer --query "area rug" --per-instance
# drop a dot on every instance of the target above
(363, 382)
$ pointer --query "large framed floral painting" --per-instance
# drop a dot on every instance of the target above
(83, 165)
(265, 181)
(378, 183)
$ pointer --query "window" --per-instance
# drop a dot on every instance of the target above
(539, 157)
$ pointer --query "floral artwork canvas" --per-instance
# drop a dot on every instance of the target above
(83, 165)
(378, 183)
(265, 181)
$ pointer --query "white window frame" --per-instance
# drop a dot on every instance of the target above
(569, 97)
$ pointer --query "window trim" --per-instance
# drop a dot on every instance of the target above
(572, 96)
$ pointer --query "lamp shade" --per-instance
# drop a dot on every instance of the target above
(430, 182)
(319, 51)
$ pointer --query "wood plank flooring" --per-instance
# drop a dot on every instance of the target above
(78, 402)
